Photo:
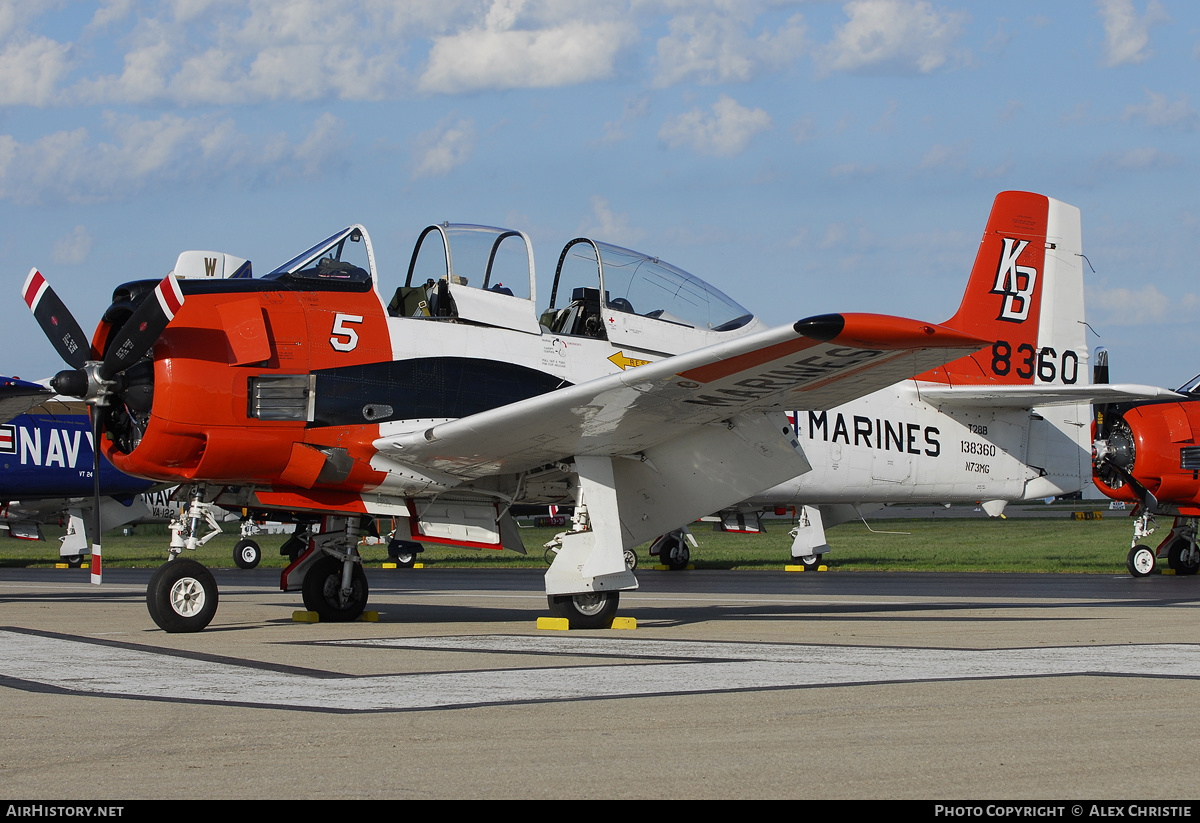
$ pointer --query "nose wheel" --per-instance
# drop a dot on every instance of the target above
(1140, 561)
(182, 596)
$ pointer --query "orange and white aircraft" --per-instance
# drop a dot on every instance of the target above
(1008, 423)
(640, 395)
(1148, 454)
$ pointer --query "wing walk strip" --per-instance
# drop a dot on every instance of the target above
(38, 663)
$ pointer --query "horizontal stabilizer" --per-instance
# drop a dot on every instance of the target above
(1025, 397)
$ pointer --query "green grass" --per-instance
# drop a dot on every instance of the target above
(1051, 544)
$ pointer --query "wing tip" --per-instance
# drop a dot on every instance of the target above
(823, 327)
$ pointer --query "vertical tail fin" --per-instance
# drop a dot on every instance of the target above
(1026, 294)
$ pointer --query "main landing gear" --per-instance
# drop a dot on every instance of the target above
(672, 549)
(329, 572)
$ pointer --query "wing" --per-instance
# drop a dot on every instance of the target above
(816, 363)
(1025, 397)
(19, 396)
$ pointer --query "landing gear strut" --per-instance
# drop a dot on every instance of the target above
(182, 594)
(330, 574)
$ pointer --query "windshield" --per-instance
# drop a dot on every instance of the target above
(345, 256)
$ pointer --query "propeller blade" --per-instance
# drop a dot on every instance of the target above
(1100, 377)
(96, 561)
(142, 328)
(56, 321)
(1149, 501)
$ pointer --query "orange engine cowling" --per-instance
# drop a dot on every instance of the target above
(1156, 445)
(214, 403)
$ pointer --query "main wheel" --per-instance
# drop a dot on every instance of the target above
(630, 559)
(404, 552)
(246, 553)
(1140, 561)
(810, 562)
(590, 610)
(292, 548)
(673, 551)
(1176, 558)
(75, 562)
(182, 596)
(322, 590)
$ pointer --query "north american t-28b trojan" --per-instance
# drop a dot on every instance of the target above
(640, 394)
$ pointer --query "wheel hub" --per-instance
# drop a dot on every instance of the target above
(590, 603)
(187, 597)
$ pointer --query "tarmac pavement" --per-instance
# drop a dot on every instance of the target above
(734, 684)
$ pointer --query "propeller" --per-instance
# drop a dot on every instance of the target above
(1100, 378)
(100, 383)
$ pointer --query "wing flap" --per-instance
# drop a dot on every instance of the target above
(820, 362)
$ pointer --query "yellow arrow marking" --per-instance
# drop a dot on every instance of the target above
(619, 359)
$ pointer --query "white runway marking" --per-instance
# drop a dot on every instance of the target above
(640, 668)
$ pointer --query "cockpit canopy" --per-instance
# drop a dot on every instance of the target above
(635, 283)
(486, 275)
(480, 274)
(345, 257)
(632, 299)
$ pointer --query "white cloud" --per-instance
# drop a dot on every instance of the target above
(616, 130)
(1127, 307)
(609, 227)
(496, 55)
(1160, 113)
(941, 156)
(892, 36)
(443, 148)
(852, 170)
(718, 47)
(32, 68)
(220, 52)
(73, 248)
(1127, 36)
(70, 166)
(723, 133)
(1139, 159)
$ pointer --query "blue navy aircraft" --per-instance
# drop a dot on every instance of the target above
(46, 456)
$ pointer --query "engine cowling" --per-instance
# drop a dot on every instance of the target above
(1154, 447)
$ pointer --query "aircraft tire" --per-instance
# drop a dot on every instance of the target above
(75, 562)
(810, 562)
(246, 553)
(630, 559)
(1140, 561)
(673, 551)
(292, 548)
(1175, 559)
(590, 610)
(401, 552)
(182, 596)
(322, 591)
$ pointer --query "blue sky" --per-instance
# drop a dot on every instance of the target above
(805, 157)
